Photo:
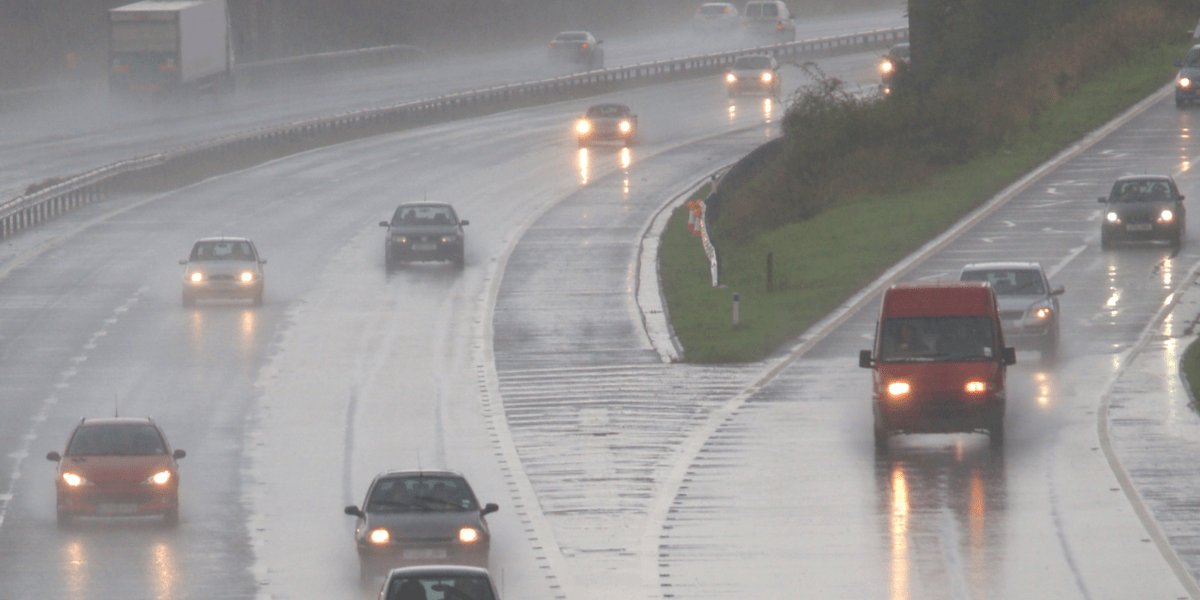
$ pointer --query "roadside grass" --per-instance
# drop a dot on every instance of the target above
(1191, 370)
(822, 261)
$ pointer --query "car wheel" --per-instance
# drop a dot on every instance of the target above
(188, 299)
(64, 519)
(460, 259)
(995, 430)
(881, 437)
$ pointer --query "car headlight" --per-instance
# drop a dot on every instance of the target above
(582, 127)
(379, 536)
(1043, 313)
(766, 77)
(159, 478)
(897, 389)
(400, 239)
(72, 479)
(247, 277)
(449, 238)
(886, 66)
(1185, 82)
(731, 78)
(1112, 217)
(625, 126)
(196, 277)
(975, 387)
(1166, 216)
(468, 535)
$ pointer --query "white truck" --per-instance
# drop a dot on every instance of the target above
(170, 47)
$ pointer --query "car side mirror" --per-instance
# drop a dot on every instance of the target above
(1009, 355)
(1181, 197)
(354, 511)
(1179, 63)
(1102, 200)
(864, 359)
(489, 508)
(183, 262)
(52, 455)
(464, 223)
(1057, 290)
(262, 261)
(178, 454)
(384, 224)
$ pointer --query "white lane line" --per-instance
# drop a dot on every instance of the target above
(1114, 462)
(691, 447)
(43, 412)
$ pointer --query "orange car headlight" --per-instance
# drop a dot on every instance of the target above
(897, 389)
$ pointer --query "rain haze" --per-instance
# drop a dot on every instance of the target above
(231, 277)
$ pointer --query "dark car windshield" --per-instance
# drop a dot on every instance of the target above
(116, 440)
(607, 110)
(1193, 59)
(1141, 190)
(927, 339)
(899, 52)
(752, 62)
(574, 37)
(421, 493)
(222, 250)
(435, 587)
(714, 9)
(424, 215)
(1010, 282)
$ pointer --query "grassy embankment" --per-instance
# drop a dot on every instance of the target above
(821, 261)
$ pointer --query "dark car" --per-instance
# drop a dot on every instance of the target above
(223, 267)
(443, 581)
(419, 518)
(117, 467)
(424, 231)
(578, 48)
(1029, 307)
(754, 73)
(1143, 207)
(896, 61)
(1187, 82)
(611, 122)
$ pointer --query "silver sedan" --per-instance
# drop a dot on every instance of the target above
(223, 267)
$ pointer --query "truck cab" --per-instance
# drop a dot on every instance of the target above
(939, 361)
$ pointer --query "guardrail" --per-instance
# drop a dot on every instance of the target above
(178, 167)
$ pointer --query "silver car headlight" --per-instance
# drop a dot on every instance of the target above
(1112, 217)
(399, 239)
(449, 238)
(766, 77)
(582, 127)
(1166, 216)
(247, 277)
(1040, 313)
(625, 126)
(1185, 82)
(731, 78)
(196, 277)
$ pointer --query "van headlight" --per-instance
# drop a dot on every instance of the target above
(975, 387)
(468, 535)
(379, 536)
(196, 277)
(159, 478)
(731, 78)
(1185, 82)
(897, 389)
(582, 127)
(72, 479)
(1112, 217)
(247, 277)
(1166, 215)
(625, 126)
(766, 77)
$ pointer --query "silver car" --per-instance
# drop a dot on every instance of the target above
(1029, 309)
(446, 582)
(223, 267)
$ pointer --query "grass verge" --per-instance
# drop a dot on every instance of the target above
(820, 262)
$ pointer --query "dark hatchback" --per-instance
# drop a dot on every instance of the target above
(420, 518)
(1143, 207)
(1187, 82)
(423, 231)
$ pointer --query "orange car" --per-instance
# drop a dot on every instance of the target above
(117, 467)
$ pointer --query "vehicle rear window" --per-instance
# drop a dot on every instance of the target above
(714, 9)
(753, 10)
(770, 10)
(440, 587)
(928, 339)
(1010, 282)
(421, 494)
(570, 37)
(116, 440)
(752, 62)
(424, 215)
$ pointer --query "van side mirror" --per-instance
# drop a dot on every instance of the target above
(1009, 355)
(464, 223)
(1057, 290)
(1102, 200)
(52, 455)
(354, 512)
(864, 359)
(1181, 197)
(178, 454)
(489, 508)
(383, 223)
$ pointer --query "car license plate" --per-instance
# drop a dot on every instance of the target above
(424, 247)
(424, 554)
(117, 509)
(1138, 227)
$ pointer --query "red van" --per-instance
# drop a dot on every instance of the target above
(939, 361)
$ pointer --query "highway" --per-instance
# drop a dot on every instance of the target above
(617, 475)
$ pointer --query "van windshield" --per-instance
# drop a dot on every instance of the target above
(928, 339)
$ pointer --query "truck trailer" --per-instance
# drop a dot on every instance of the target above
(170, 47)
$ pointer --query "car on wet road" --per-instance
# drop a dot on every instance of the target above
(1029, 307)
(754, 73)
(606, 122)
(719, 18)
(223, 267)
(420, 518)
(424, 231)
(768, 21)
(577, 48)
(117, 467)
(1143, 207)
(441, 582)
(896, 61)
(1187, 81)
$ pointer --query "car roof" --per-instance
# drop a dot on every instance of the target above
(1012, 264)
(436, 569)
(1144, 178)
(573, 33)
(609, 105)
(224, 239)
(420, 473)
(419, 204)
(717, 4)
(116, 421)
